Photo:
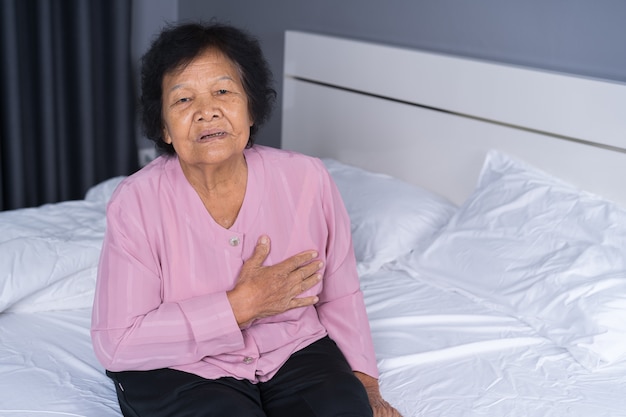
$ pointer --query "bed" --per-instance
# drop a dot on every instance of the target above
(488, 214)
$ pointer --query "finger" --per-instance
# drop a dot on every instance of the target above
(303, 301)
(309, 283)
(308, 270)
(302, 286)
(296, 261)
(306, 273)
(261, 250)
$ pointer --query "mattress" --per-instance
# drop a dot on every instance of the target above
(442, 354)
(452, 336)
(48, 368)
(439, 353)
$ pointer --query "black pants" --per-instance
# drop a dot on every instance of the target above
(315, 382)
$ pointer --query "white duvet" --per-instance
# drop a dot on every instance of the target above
(440, 355)
(49, 254)
(442, 351)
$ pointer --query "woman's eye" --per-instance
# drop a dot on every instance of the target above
(222, 91)
(181, 100)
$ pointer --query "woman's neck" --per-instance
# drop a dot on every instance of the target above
(221, 189)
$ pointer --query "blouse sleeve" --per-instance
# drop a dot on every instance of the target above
(132, 328)
(341, 308)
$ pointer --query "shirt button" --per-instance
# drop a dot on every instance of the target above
(248, 360)
(234, 241)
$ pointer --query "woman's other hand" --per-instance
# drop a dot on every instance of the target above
(263, 291)
(380, 407)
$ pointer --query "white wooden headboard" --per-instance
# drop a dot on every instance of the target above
(429, 118)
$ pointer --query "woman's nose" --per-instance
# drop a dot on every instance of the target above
(207, 109)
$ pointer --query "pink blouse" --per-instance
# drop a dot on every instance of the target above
(166, 266)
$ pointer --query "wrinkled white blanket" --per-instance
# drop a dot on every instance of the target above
(49, 254)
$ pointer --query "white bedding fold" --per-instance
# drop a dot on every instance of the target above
(48, 368)
(440, 355)
(49, 254)
(443, 355)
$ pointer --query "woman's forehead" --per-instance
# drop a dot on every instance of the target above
(208, 56)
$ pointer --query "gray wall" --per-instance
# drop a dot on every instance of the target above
(585, 37)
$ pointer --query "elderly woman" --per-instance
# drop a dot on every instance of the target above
(227, 283)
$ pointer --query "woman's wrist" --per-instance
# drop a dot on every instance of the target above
(370, 383)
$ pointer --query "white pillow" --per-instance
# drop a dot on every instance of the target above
(537, 248)
(389, 217)
(101, 193)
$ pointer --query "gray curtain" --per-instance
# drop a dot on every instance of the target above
(67, 98)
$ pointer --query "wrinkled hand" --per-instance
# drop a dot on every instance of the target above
(380, 407)
(263, 291)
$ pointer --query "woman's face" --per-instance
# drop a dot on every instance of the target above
(205, 111)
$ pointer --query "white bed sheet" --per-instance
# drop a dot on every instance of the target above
(441, 354)
(48, 368)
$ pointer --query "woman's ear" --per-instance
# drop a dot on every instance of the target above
(166, 136)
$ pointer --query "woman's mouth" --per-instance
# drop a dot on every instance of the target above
(215, 135)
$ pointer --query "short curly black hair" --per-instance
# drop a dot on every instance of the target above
(177, 45)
